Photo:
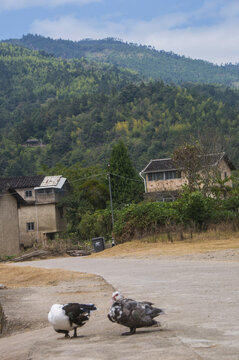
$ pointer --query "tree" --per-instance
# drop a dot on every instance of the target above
(126, 184)
(89, 192)
(200, 165)
(194, 209)
(188, 158)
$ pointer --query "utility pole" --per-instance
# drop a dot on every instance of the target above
(111, 202)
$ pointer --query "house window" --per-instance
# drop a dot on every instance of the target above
(49, 191)
(28, 193)
(159, 176)
(156, 176)
(225, 175)
(45, 191)
(40, 191)
(164, 175)
(172, 175)
(30, 226)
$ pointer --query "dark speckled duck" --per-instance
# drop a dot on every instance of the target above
(133, 314)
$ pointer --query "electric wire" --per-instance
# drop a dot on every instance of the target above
(83, 178)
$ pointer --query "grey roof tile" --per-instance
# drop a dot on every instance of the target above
(19, 182)
(158, 165)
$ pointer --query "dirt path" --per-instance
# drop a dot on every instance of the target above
(30, 337)
(201, 298)
(26, 308)
(27, 334)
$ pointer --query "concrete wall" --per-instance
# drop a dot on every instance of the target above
(166, 185)
(46, 218)
(22, 193)
(26, 215)
(61, 223)
(224, 168)
(9, 229)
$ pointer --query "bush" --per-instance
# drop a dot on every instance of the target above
(192, 210)
(143, 218)
(97, 224)
(195, 209)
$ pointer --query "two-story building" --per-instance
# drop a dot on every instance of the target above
(30, 211)
(163, 180)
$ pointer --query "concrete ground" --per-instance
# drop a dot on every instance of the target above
(201, 299)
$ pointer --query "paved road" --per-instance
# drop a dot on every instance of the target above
(200, 297)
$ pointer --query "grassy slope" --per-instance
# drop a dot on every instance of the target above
(158, 246)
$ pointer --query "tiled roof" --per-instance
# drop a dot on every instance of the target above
(19, 182)
(213, 159)
(159, 165)
(168, 164)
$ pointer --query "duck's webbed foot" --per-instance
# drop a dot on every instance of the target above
(131, 332)
(67, 336)
(75, 332)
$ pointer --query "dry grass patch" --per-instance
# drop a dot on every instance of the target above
(17, 277)
(158, 246)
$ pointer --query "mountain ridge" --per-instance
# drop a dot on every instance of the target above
(79, 109)
(147, 61)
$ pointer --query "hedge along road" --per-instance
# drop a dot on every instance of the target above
(200, 297)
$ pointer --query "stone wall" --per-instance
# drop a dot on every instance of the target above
(161, 196)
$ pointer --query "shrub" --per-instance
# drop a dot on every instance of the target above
(195, 209)
(93, 225)
(143, 218)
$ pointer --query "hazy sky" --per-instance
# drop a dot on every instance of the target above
(202, 29)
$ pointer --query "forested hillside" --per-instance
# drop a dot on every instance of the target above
(147, 61)
(78, 109)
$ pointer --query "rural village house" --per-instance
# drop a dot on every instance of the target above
(163, 181)
(28, 211)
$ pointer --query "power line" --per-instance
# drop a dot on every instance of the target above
(85, 178)
(124, 177)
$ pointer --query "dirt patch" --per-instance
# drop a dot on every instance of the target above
(26, 306)
(17, 277)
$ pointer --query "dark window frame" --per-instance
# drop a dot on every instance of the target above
(45, 191)
(30, 226)
(164, 175)
(28, 193)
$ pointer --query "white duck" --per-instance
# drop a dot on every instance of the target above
(67, 317)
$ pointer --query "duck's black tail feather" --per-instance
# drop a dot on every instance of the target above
(88, 307)
(76, 308)
(156, 312)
